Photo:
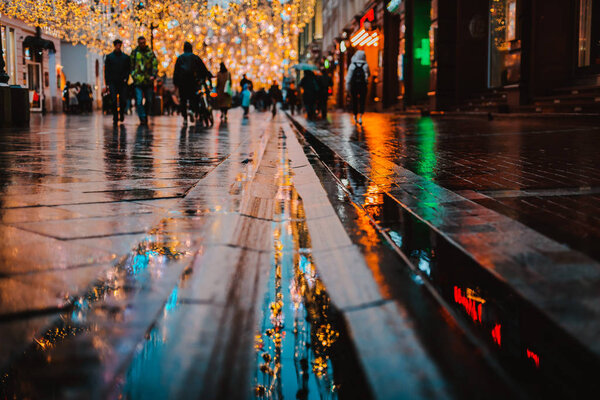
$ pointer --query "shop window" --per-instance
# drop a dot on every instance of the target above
(589, 34)
(8, 50)
(504, 54)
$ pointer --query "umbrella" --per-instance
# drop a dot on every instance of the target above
(305, 67)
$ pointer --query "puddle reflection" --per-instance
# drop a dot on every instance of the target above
(541, 357)
(302, 345)
(91, 326)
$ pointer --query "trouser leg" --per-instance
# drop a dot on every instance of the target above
(139, 102)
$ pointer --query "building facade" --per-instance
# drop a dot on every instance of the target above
(40, 72)
(355, 25)
(481, 55)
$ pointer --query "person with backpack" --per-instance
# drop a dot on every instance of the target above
(144, 70)
(189, 71)
(356, 84)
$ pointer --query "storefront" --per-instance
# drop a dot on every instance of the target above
(30, 66)
(588, 51)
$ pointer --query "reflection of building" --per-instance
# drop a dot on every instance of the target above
(84, 66)
(36, 70)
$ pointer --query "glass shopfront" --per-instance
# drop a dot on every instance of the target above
(9, 53)
(504, 44)
(588, 56)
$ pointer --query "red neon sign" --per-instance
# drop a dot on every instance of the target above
(369, 16)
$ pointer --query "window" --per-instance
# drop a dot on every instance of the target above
(8, 47)
(504, 53)
(585, 32)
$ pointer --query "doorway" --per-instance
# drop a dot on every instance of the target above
(34, 84)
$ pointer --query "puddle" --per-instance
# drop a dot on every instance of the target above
(94, 323)
(302, 347)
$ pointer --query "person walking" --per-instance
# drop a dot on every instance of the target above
(356, 84)
(310, 89)
(189, 71)
(276, 97)
(144, 70)
(292, 97)
(325, 84)
(224, 91)
(117, 67)
(246, 97)
(246, 82)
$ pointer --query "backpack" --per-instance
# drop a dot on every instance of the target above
(359, 77)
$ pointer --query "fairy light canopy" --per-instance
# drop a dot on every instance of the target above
(254, 37)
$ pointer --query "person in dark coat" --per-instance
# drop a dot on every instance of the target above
(246, 82)
(292, 97)
(310, 89)
(190, 70)
(117, 67)
(276, 97)
(325, 84)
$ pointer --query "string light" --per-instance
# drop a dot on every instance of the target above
(255, 37)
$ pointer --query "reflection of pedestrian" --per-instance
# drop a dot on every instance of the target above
(144, 69)
(325, 83)
(116, 72)
(224, 91)
(276, 97)
(310, 89)
(356, 84)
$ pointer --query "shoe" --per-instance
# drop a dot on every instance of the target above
(122, 117)
(360, 120)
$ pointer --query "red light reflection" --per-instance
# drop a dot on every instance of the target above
(470, 305)
(496, 334)
(534, 357)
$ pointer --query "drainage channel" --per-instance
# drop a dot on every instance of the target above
(532, 351)
(303, 350)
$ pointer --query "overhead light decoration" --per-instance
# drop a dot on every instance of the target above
(254, 37)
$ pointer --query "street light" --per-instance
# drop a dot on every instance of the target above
(3, 75)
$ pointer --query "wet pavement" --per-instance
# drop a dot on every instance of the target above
(251, 260)
(533, 300)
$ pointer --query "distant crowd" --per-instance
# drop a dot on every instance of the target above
(134, 78)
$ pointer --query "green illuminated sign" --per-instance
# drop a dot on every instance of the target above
(423, 52)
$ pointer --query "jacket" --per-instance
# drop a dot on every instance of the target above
(144, 66)
(358, 60)
(189, 70)
(117, 67)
